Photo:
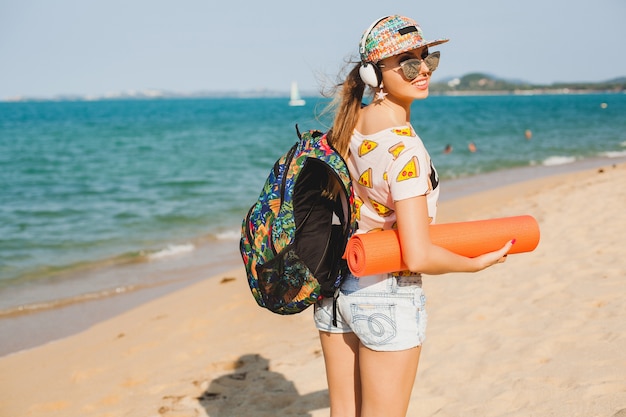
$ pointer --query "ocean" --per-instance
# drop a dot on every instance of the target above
(100, 198)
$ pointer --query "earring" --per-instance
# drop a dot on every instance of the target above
(380, 95)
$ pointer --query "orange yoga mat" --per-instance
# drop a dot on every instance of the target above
(379, 252)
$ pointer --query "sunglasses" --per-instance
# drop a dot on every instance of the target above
(411, 67)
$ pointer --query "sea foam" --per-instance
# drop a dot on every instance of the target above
(558, 160)
(172, 250)
(613, 154)
(229, 235)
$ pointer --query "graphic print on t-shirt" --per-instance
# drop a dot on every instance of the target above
(384, 165)
(410, 170)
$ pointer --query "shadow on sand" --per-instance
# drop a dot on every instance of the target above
(254, 390)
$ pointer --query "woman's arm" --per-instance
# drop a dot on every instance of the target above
(421, 255)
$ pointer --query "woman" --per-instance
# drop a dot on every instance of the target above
(372, 354)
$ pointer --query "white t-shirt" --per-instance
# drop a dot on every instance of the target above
(389, 166)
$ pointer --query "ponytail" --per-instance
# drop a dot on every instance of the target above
(346, 103)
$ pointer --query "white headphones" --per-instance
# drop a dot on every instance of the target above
(369, 72)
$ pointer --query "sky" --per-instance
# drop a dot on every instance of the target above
(97, 47)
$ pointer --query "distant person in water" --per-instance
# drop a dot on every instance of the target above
(528, 134)
(472, 147)
(447, 149)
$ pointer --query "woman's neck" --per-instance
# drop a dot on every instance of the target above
(383, 114)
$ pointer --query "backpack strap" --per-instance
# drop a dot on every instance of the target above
(335, 297)
(298, 132)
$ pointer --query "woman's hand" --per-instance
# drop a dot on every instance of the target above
(496, 257)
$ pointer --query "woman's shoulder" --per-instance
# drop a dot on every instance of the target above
(391, 131)
(401, 136)
(397, 143)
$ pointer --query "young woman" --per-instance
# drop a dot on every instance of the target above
(372, 354)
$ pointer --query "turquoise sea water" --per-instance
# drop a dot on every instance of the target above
(91, 187)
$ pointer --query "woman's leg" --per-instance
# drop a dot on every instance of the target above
(341, 356)
(387, 381)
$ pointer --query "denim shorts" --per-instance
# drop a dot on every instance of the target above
(386, 313)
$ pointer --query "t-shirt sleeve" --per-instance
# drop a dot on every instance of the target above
(408, 174)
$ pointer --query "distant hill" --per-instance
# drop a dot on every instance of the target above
(484, 83)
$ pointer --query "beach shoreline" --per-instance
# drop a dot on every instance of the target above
(541, 334)
(28, 330)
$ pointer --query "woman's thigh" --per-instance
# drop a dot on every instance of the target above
(342, 371)
(387, 380)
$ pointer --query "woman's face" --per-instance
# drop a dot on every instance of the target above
(397, 84)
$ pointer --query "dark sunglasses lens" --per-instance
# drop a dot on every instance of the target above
(411, 67)
(432, 61)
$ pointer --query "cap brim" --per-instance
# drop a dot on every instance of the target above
(419, 45)
(435, 42)
(414, 46)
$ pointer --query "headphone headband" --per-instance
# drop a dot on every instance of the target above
(363, 43)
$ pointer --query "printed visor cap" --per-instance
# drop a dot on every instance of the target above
(391, 36)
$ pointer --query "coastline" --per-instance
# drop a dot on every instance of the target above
(440, 89)
(542, 333)
(31, 329)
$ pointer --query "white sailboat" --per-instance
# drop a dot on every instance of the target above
(295, 99)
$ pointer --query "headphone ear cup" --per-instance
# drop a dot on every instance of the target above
(370, 74)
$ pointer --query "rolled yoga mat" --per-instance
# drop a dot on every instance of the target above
(379, 252)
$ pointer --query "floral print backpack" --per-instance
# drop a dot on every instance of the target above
(294, 236)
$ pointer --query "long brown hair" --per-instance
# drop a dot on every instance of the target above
(346, 104)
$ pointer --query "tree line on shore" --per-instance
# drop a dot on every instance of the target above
(480, 82)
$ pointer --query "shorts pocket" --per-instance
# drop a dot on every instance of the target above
(374, 324)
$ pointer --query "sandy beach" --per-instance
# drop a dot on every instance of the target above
(542, 335)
